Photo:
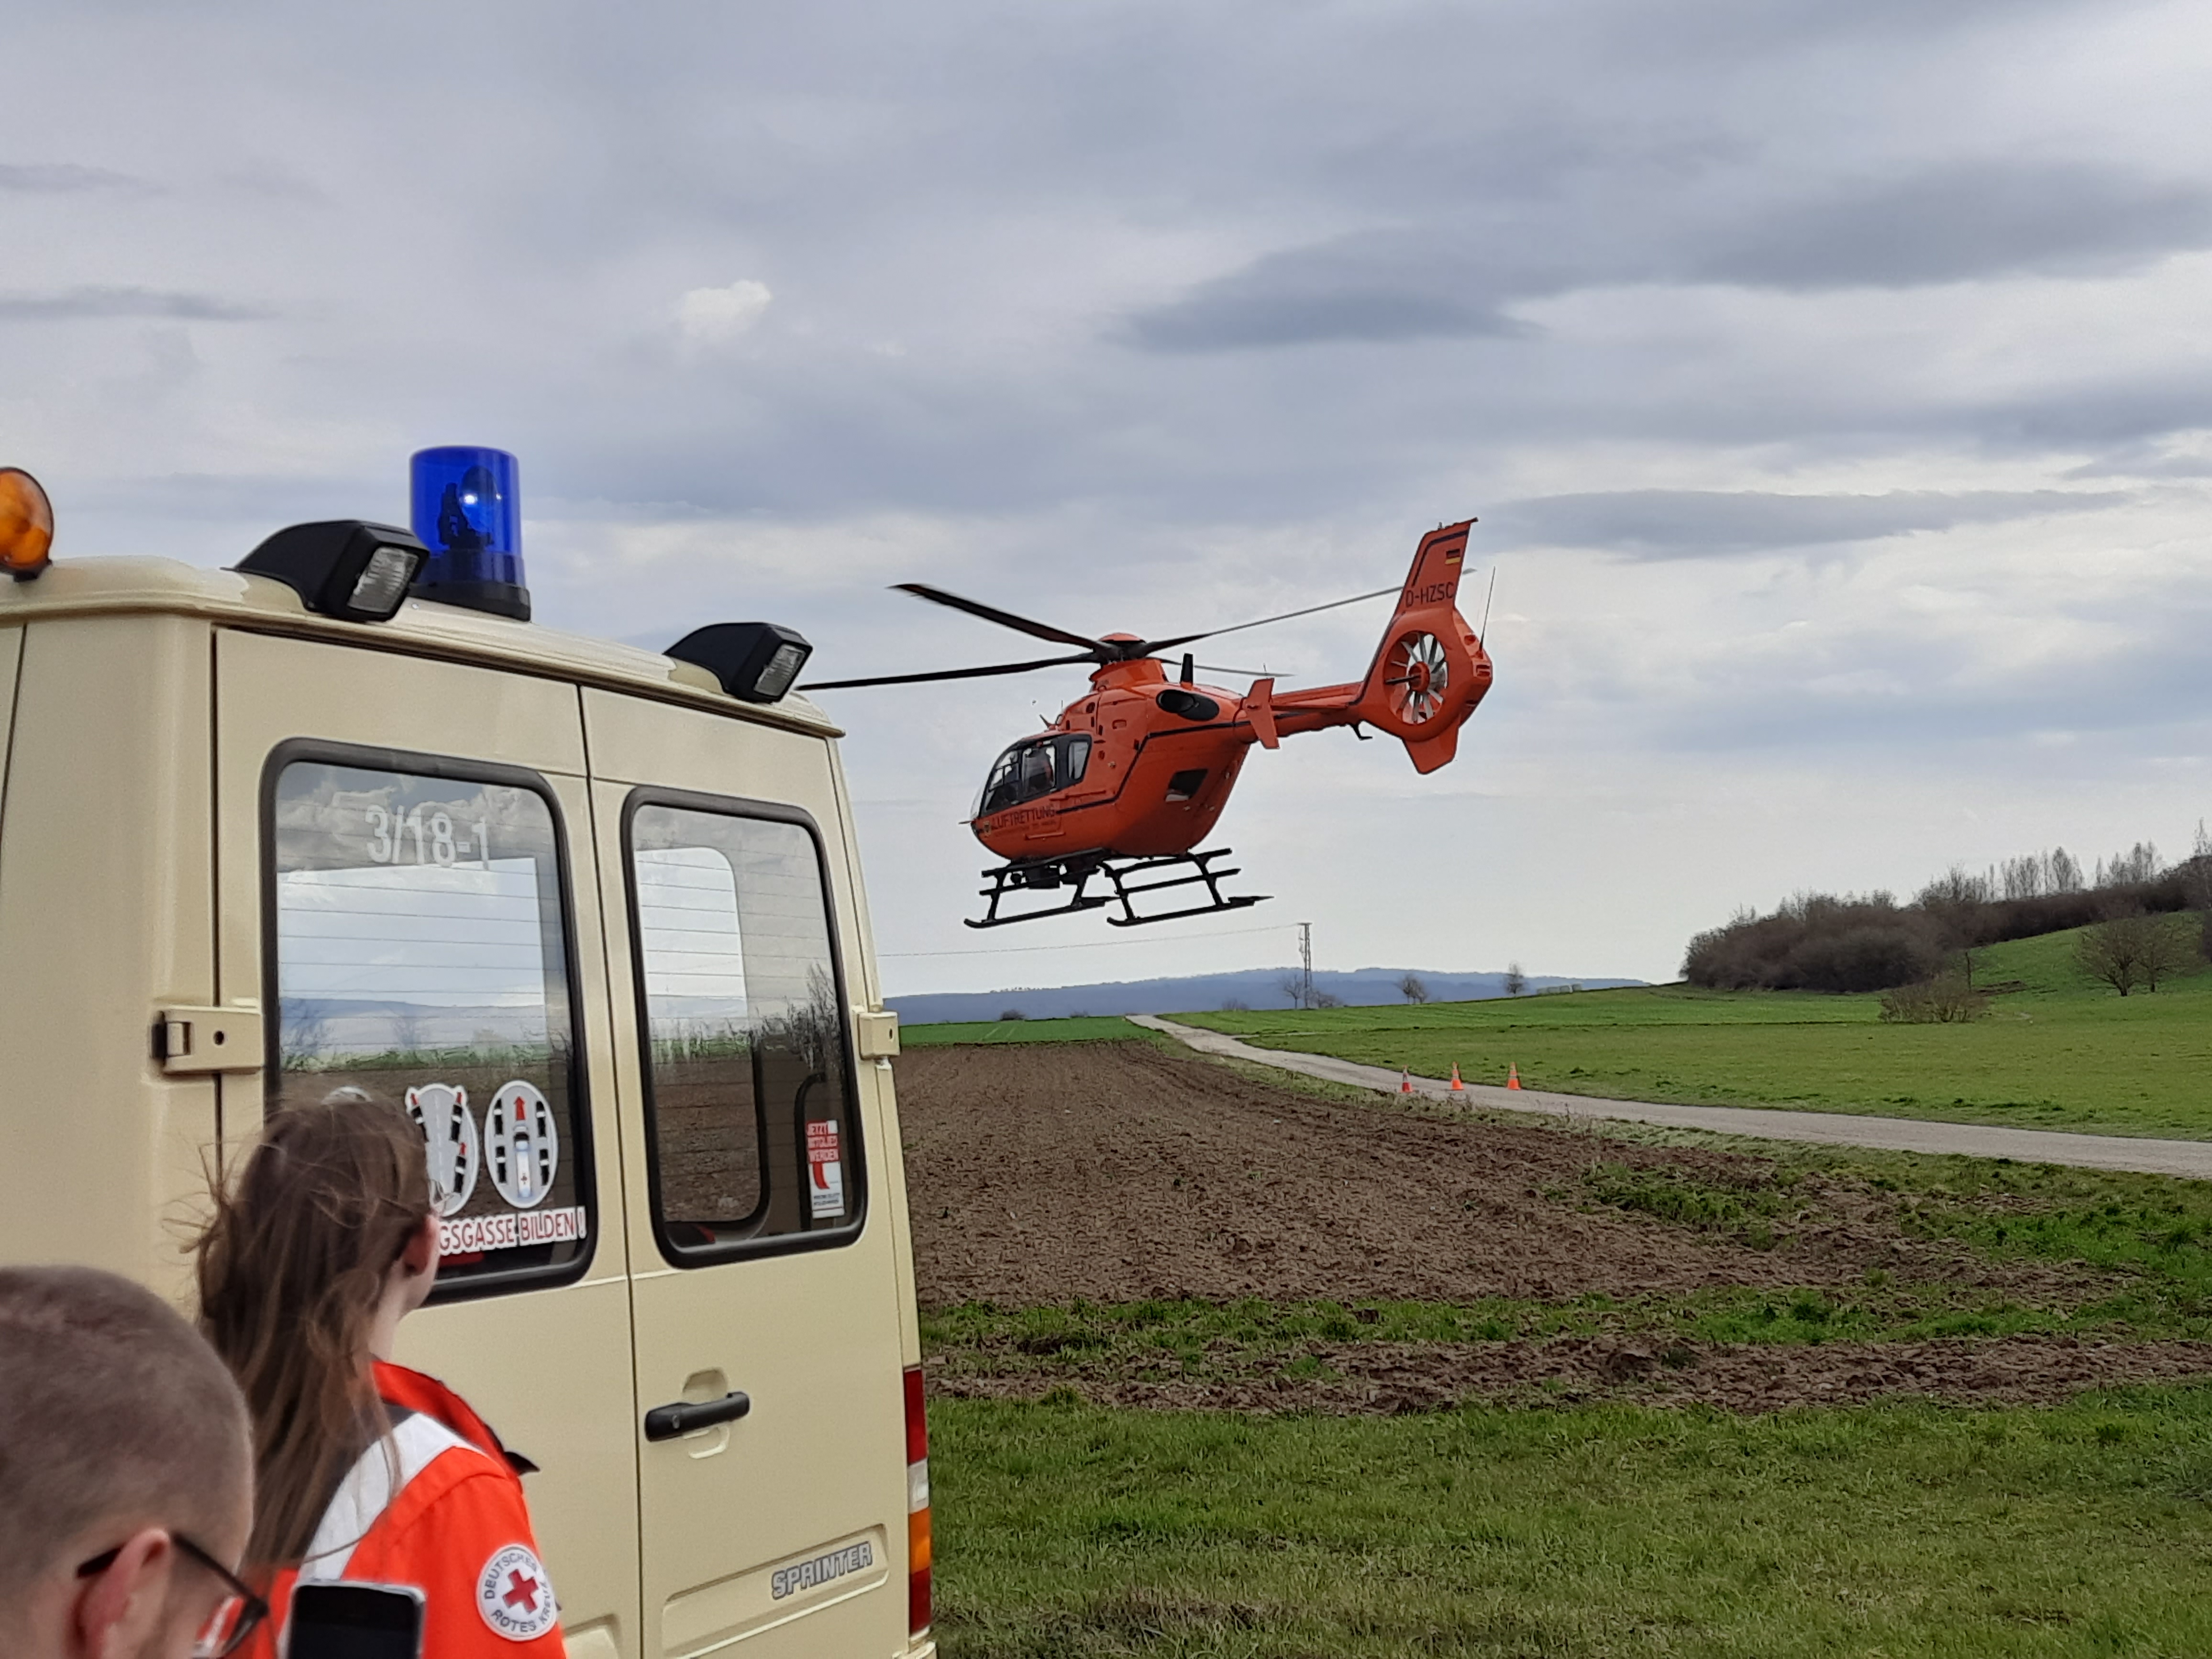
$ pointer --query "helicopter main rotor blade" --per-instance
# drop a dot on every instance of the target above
(949, 673)
(1223, 668)
(1151, 645)
(1004, 619)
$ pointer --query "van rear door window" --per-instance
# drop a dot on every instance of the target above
(750, 1083)
(421, 957)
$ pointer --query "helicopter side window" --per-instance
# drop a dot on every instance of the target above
(1036, 772)
(1074, 760)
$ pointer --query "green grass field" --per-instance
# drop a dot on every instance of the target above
(1082, 1028)
(1071, 1532)
(1595, 1527)
(2060, 1053)
(1604, 1529)
(2148, 1234)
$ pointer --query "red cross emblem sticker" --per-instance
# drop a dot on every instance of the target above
(513, 1596)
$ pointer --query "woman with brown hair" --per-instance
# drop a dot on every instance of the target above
(364, 1470)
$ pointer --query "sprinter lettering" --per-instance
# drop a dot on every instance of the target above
(821, 1570)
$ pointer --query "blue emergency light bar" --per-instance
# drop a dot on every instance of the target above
(468, 512)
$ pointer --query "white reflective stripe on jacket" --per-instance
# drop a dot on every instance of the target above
(369, 1488)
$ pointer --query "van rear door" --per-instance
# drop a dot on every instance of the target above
(406, 886)
(772, 1474)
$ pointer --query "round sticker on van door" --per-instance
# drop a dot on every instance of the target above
(441, 1110)
(522, 1144)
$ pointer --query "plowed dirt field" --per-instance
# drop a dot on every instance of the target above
(1119, 1172)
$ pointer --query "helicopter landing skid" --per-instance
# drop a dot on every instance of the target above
(1037, 875)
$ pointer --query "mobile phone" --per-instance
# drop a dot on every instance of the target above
(354, 1621)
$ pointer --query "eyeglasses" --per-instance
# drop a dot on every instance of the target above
(235, 1617)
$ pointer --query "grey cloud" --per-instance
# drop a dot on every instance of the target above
(1958, 223)
(1943, 223)
(1386, 286)
(1689, 524)
(64, 177)
(1243, 312)
(2133, 698)
(75, 304)
(2120, 410)
(978, 186)
(231, 498)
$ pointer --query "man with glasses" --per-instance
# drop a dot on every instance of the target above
(126, 1476)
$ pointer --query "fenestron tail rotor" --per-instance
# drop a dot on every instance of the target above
(1419, 674)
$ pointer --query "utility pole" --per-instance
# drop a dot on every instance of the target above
(1306, 959)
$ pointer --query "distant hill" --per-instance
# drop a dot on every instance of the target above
(1256, 988)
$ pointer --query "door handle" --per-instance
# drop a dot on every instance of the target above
(667, 1422)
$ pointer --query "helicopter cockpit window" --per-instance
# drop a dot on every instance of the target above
(1034, 767)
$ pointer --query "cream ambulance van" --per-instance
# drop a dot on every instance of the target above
(594, 916)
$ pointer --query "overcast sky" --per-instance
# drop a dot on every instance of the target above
(1833, 384)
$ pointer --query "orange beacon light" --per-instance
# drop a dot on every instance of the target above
(26, 525)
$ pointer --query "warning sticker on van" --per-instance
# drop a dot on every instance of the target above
(470, 1234)
(825, 1170)
(441, 1111)
(521, 1144)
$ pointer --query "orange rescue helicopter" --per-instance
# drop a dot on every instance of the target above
(1131, 776)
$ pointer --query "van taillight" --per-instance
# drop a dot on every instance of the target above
(917, 1506)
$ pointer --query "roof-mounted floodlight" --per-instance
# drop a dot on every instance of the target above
(342, 567)
(468, 512)
(757, 661)
(26, 525)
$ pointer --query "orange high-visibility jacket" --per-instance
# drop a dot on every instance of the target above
(450, 1522)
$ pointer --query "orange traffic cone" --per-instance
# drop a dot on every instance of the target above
(1404, 1079)
(1512, 1076)
(1457, 1086)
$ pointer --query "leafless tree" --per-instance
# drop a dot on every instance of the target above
(1328, 999)
(2167, 949)
(1957, 901)
(1410, 987)
(1956, 886)
(2200, 887)
(1946, 1000)
(2106, 951)
(303, 1034)
(1516, 981)
(1292, 985)
(1236, 1006)
(2126, 951)
(2132, 868)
